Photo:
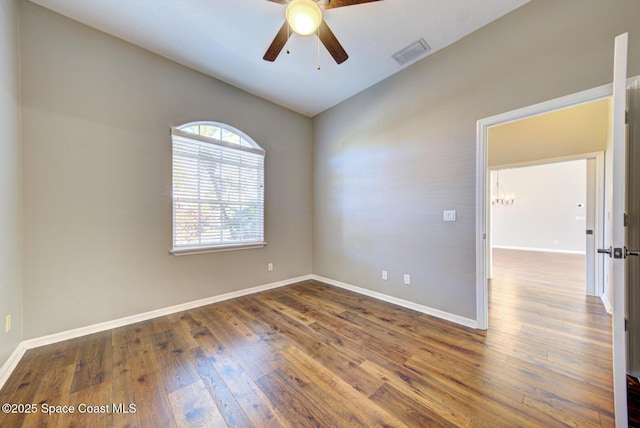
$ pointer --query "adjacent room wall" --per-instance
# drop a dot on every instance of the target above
(549, 211)
(388, 161)
(10, 183)
(558, 134)
(97, 179)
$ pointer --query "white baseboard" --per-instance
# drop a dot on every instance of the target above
(96, 328)
(607, 304)
(541, 250)
(8, 367)
(401, 302)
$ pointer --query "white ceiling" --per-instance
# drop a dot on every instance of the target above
(226, 39)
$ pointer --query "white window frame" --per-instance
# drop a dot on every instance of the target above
(190, 149)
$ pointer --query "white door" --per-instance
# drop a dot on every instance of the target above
(618, 252)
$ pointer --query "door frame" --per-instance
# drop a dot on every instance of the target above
(483, 182)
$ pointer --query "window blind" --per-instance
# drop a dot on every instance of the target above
(218, 194)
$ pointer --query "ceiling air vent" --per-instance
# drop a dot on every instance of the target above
(412, 52)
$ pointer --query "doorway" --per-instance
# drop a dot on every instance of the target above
(616, 198)
(579, 341)
(539, 213)
(551, 206)
(531, 148)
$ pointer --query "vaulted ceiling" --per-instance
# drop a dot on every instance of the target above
(227, 39)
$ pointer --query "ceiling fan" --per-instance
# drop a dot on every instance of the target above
(304, 17)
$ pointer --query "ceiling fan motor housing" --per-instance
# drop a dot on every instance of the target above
(304, 16)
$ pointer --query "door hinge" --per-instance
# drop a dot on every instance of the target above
(626, 117)
(626, 321)
(626, 220)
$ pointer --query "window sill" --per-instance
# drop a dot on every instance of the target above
(199, 250)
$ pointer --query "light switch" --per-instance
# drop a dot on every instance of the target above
(449, 215)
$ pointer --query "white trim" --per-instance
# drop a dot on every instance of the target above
(599, 221)
(540, 250)
(10, 365)
(467, 322)
(482, 215)
(191, 136)
(559, 159)
(567, 101)
(121, 322)
(606, 303)
(483, 218)
(185, 251)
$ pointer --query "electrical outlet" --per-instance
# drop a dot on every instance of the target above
(7, 324)
(384, 275)
(270, 267)
(407, 279)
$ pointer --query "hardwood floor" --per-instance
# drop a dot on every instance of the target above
(314, 355)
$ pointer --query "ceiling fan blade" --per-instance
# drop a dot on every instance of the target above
(341, 3)
(278, 43)
(332, 44)
(279, 1)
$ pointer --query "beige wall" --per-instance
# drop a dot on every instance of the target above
(10, 183)
(388, 161)
(572, 131)
(97, 179)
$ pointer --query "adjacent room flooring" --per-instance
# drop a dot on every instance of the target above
(311, 354)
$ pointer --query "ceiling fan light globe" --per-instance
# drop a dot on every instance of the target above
(304, 16)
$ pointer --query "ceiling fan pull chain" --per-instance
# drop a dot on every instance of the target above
(288, 35)
(318, 48)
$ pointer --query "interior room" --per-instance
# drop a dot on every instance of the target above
(355, 299)
(552, 205)
(547, 224)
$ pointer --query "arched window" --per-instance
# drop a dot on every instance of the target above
(218, 189)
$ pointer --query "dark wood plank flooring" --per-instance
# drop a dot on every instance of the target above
(311, 354)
